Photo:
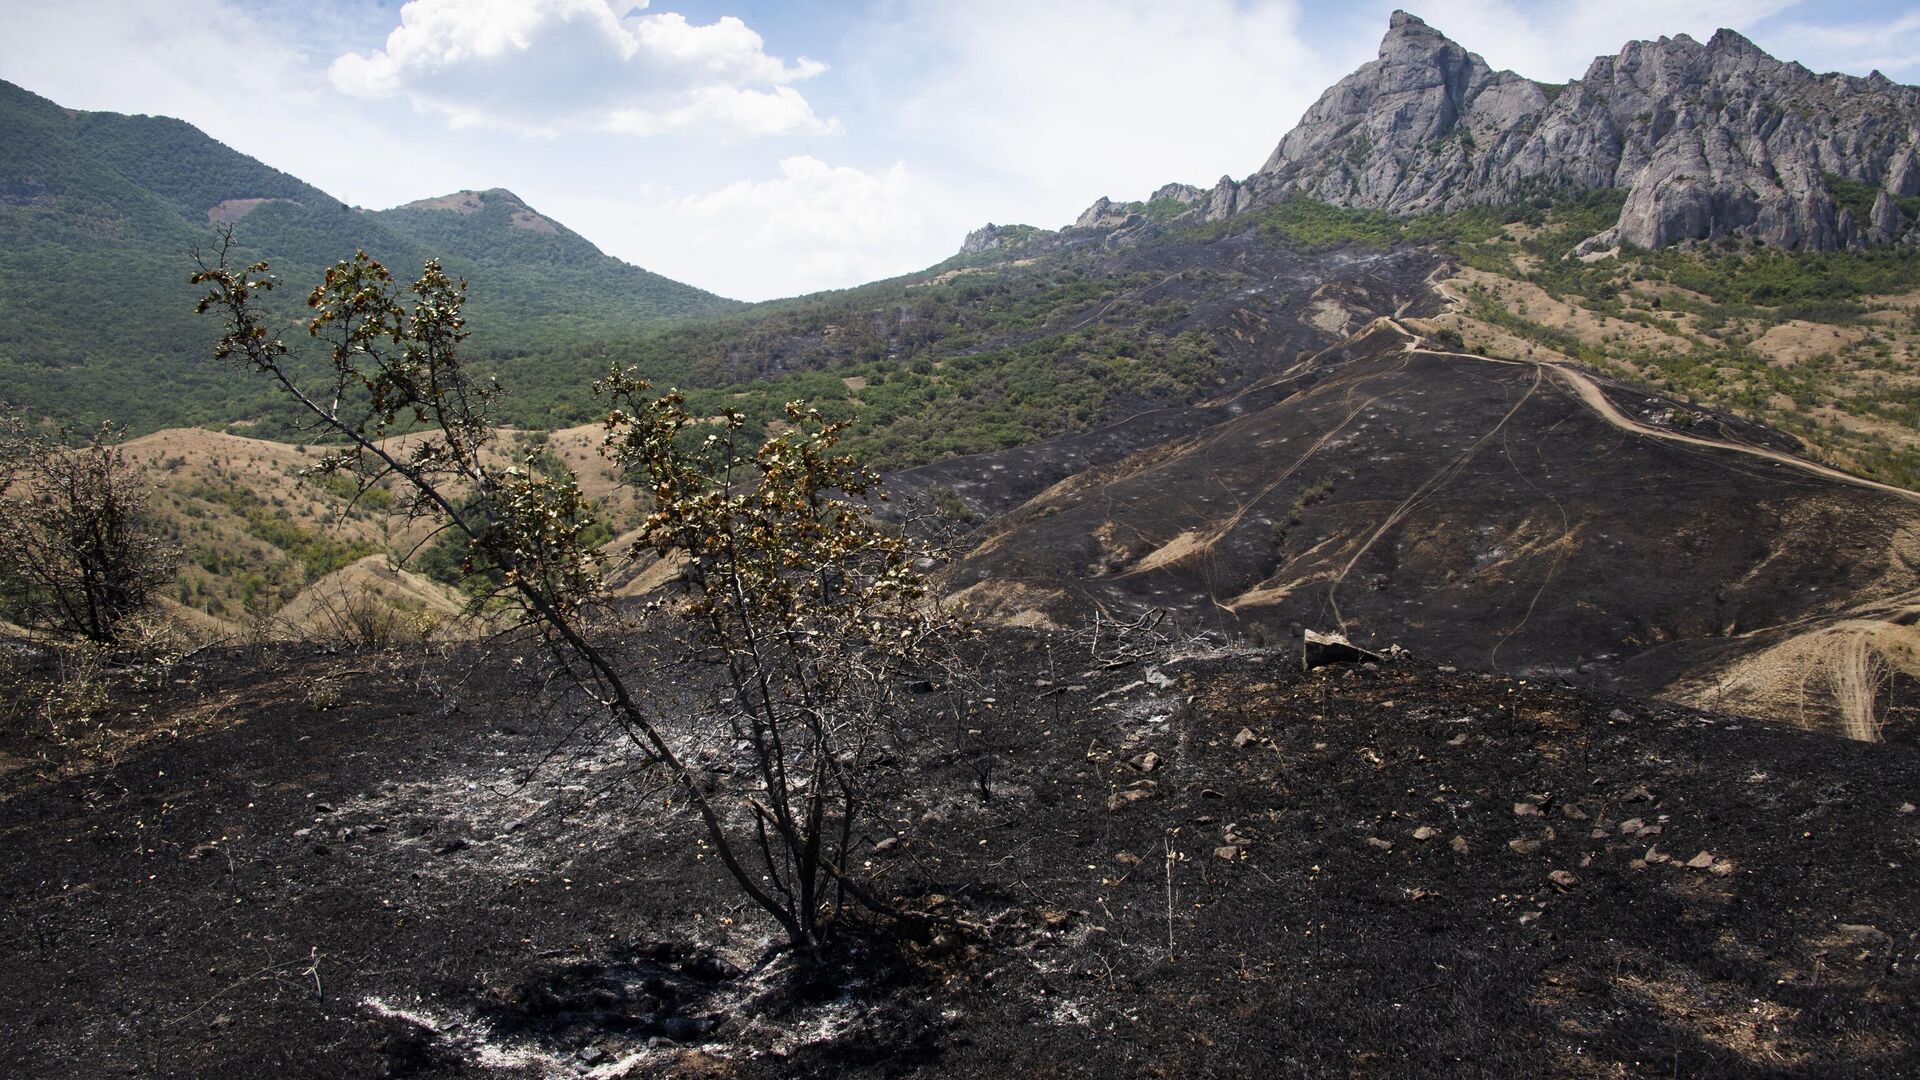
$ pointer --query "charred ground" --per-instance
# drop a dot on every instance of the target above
(1488, 512)
(1185, 862)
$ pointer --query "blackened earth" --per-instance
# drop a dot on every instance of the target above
(1190, 863)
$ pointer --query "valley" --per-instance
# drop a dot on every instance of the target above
(1446, 602)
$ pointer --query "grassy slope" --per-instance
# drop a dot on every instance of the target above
(1821, 345)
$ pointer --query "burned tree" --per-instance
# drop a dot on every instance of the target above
(812, 612)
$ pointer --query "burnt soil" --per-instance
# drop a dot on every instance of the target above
(1475, 511)
(387, 865)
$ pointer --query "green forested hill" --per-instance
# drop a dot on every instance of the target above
(98, 211)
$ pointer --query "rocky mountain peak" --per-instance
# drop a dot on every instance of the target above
(1405, 28)
(1708, 140)
(1725, 40)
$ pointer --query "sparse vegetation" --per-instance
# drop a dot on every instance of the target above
(80, 553)
(811, 612)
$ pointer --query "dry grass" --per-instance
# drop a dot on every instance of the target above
(1832, 678)
(373, 603)
(1008, 603)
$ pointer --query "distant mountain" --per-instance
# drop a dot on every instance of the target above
(1707, 140)
(98, 210)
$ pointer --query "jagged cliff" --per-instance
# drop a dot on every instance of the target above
(1708, 140)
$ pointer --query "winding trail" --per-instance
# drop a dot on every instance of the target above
(1592, 396)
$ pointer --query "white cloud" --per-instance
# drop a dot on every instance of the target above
(726, 109)
(1891, 47)
(545, 66)
(1058, 103)
(812, 226)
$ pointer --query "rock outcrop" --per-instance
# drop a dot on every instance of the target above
(1707, 140)
(991, 237)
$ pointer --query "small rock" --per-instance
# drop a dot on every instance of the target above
(1459, 845)
(451, 846)
(1527, 809)
(1458, 740)
(1702, 861)
(1619, 716)
(1425, 833)
(1055, 920)
(1146, 762)
(1906, 808)
(1655, 856)
(1379, 844)
(1126, 858)
(591, 1055)
(1229, 852)
(1245, 738)
(1631, 826)
(1524, 846)
(1565, 879)
(1572, 811)
(887, 845)
(1131, 795)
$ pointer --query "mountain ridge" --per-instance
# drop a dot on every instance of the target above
(1709, 141)
(105, 206)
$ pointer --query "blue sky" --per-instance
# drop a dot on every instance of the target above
(763, 149)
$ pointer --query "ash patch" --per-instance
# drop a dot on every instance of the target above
(674, 1008)
(502, 820)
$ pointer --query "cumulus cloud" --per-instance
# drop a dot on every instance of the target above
(546, 66)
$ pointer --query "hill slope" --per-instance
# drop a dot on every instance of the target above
(1492, 513)
(98, 210)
